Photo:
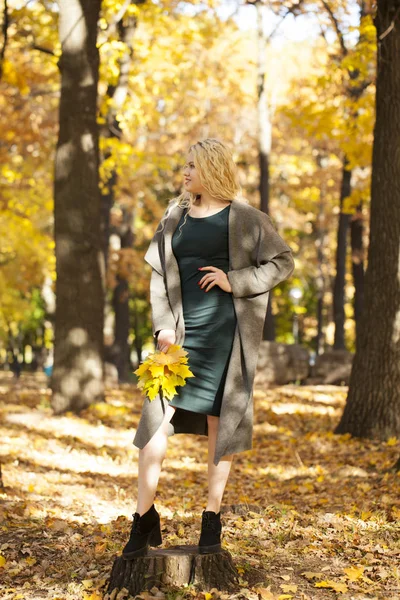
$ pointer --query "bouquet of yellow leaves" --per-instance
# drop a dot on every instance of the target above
(163, 371)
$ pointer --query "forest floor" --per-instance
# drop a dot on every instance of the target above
(307, 515)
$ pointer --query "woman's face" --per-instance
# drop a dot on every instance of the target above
(191, 179)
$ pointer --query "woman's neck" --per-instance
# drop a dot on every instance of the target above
(208, 202)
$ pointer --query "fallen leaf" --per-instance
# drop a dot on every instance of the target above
(334, 585)
(92, 596)
(288, 588)
(265, 594)
(354, 573)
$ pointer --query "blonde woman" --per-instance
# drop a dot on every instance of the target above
(214, 259)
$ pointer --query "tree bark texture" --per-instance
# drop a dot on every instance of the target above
(176, 567)
(77, 379)
(264, 145)
(321, 279)
(357, 264)
(341, 252)
(373, 402)
(120, 349)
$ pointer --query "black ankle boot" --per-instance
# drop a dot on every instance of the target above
(145, 532)
(210, 538)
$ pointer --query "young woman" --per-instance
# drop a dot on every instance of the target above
(214, 259)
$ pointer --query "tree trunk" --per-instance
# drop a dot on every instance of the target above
(77, 378)
(357, 263)
(178, 566)
(341, 252)
(126, 28)
(321, 260)
(264, 145)
(117, 93)
(120, 350)
(373, 402)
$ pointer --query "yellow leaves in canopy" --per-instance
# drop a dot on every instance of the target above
(163, 371)
(14, 77)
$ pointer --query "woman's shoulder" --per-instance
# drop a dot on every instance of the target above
(251, 212)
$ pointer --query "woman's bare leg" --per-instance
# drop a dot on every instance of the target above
(150, 462)
(217, 475)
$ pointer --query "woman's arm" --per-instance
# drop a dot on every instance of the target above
(274, 260)
(258, 280)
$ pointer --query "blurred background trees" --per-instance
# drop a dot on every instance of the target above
(289, 86)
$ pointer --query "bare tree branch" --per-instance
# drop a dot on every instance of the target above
(391, 26)
(336, 26)
(43, 49)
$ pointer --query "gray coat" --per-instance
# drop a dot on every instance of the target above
(258, 260)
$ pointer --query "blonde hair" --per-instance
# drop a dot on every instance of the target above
(218, 174)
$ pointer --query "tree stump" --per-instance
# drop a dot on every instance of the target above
(175, 566)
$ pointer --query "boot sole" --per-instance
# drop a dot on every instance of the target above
(155, 539)
(210, 549)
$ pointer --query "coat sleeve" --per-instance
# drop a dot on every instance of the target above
(273, 263)
(161, 312)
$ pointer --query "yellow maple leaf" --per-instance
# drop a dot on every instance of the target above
(168, 388)
(160, 358)
(176, 379)
(157, 370)
(177, 350)
(288, 587)
(153, 390)
(2, 560)
(164, 370)
(334, 585)
(392, 441)
(141, 369)
(184, 371)
(354, 573)
(93, 596)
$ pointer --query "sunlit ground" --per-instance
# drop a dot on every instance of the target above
(307, 514)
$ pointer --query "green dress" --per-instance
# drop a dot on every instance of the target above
(210, 318)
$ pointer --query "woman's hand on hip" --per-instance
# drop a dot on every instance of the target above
(216, 277)
(165, 339)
